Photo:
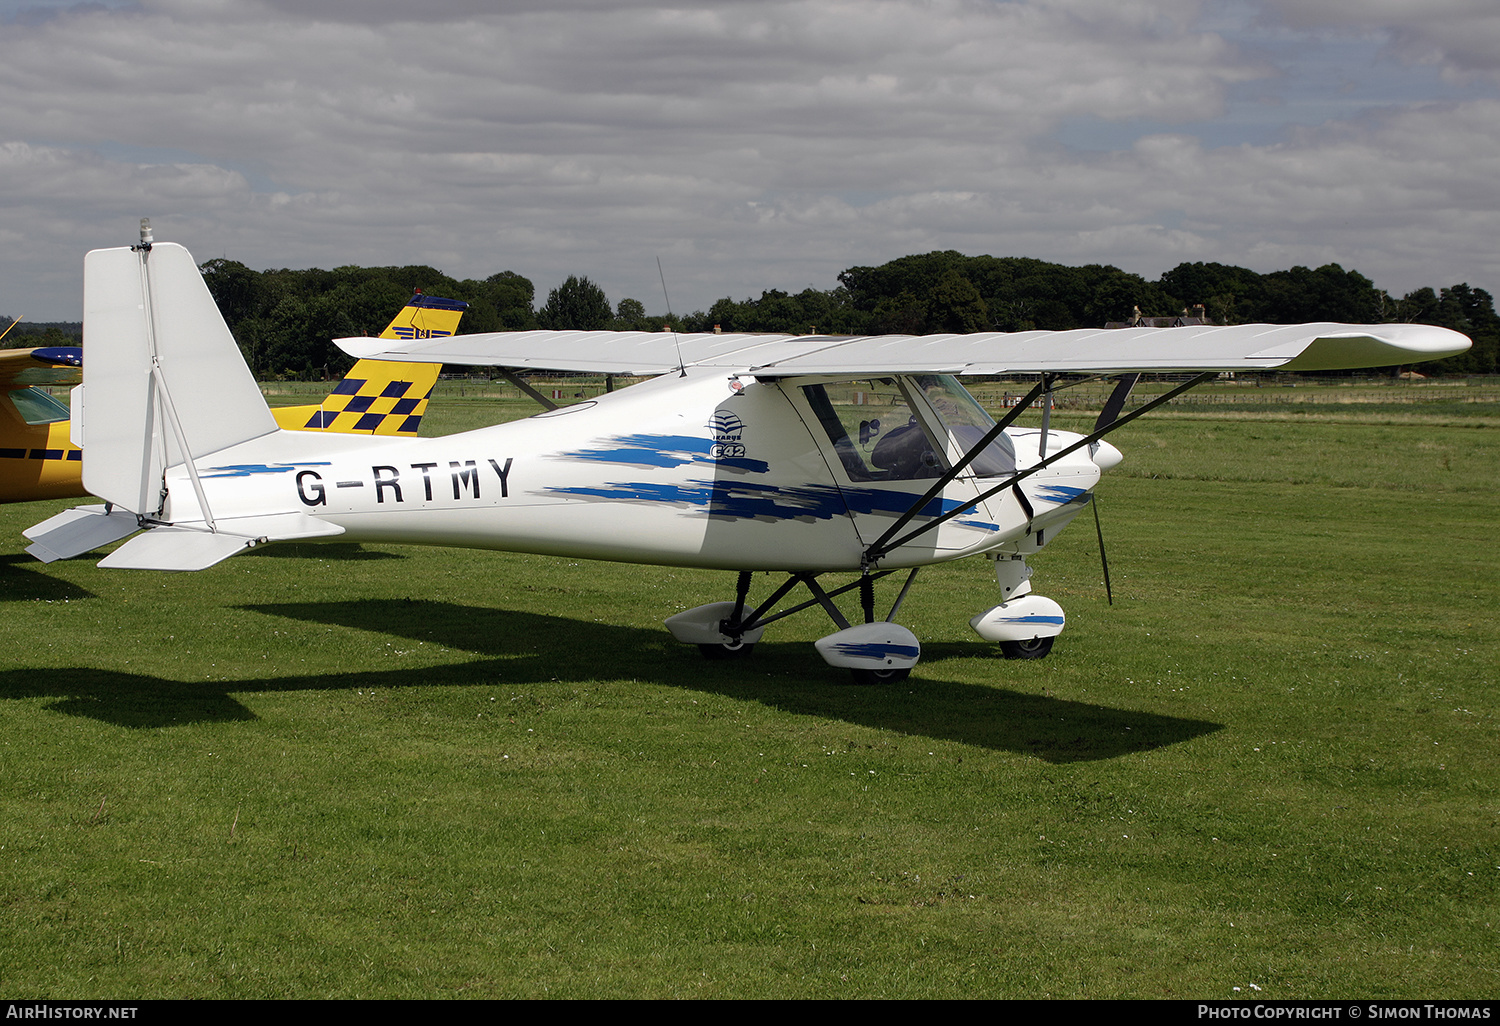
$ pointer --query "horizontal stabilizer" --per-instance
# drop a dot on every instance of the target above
(175, 548)
(189, 548)
(76, 531)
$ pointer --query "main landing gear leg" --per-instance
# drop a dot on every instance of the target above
(732, 627)
(721, 630)
(875, 652)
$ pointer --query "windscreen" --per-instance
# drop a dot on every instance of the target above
(967, 422)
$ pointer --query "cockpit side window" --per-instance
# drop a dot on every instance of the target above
(37, 407)
(874, 431)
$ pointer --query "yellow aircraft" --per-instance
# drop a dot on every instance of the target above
(38, 459)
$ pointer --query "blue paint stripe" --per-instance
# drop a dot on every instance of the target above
(666, 451)
(878, 650)
(747, 500)
(252, 469)
(41, 454)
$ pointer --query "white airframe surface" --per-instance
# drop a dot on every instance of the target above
(1240, 347)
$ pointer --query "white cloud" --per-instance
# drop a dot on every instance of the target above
(1461, 36)
(749, 144)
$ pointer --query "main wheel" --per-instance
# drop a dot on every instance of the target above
(1032, 648)
(735, 650)
(880, 676)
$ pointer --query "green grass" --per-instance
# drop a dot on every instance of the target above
(399, 772)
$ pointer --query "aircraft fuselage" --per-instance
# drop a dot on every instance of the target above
(697, 471)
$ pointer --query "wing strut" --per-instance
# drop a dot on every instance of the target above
(758, 617)
(1115, 403)
(515, 379)
(1041, 445)
(882, 546)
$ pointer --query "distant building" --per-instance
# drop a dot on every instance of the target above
(1190, 315)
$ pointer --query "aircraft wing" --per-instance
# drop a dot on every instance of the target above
(1238, 347)
(596, 352)
(50, 365)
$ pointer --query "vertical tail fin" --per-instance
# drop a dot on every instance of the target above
(426, 317)
(152, 337)
(379, 397)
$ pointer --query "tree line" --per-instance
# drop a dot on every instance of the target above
(284, 320)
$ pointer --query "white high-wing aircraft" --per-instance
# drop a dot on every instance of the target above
(808, 455)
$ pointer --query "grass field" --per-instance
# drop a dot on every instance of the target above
(1271, 769)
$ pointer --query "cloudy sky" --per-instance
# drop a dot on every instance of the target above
(749, 144)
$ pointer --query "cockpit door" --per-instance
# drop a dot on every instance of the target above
(886, 444)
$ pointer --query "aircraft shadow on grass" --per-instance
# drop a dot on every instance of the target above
(329, 551)
(19, 583)
(522, 647)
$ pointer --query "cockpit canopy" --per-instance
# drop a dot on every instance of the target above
(907, 428)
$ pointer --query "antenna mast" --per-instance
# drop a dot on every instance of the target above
(681, 369)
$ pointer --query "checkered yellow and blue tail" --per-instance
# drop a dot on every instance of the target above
(377, 396)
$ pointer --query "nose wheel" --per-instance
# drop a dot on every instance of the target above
(1023, 625)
